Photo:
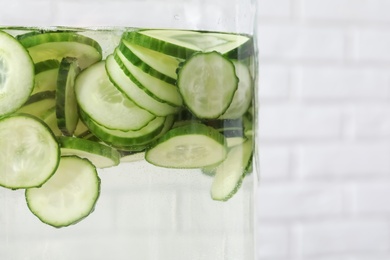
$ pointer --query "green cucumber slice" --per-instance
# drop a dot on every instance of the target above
(105, 104)
(39, 103)
(182, 44)
(102, 156)
(16, 74)
(120, 77)
(66, 104)
(119, 138)
(69, 196)
(230, 173)
(127, 157)
(57, 45)
(160, 90)
(29, 152)
(207, 83)
(189, 146)
(50, 118)
(46, 73)
(152, 62)
(242, 98)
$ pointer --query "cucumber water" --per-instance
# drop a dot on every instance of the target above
(128, 142)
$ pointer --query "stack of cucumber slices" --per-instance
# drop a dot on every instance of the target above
(177, 99)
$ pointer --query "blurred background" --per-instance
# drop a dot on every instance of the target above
(324, 130)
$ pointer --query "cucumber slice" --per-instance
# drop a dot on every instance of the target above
(46, 73)
(127, 157)
(120, 77)
(57, 45)
(69, 196)
(50, 118)
(102, 156)
(207, 83)
(189, 146)
(119, 138)
(152, 62)
(66, 104)
(29, 152)
(39, 103)
(160, 90)
(182, 44)
(242, 98)
(105, 104)
(16, 74)
(230, 173)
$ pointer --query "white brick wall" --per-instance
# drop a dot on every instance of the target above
(325, 130)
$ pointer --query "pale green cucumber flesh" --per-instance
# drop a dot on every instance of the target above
(164, 92)
(183, 44)
(207, 83)
(69, 196)
(243, 96)
(230, 173)
(57, 45)
(102, 156)
(119, 138)
(39, 103)
(188, 146)
(27, 142)
(152, 62)
(120, 77)
(105, 104)
(16, 74)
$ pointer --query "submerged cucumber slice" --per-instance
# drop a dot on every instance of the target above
(105, 104)
(119, 138)
(16, 74)
(188, 146)
(230, 173)
(182, 44)
(46, 73)
(39, 103)
(160, 90)
(243, 96)
(102, 156)
(69, 196)
(57, 45)
(29, 152)
(154, 63)
(121, 78)
(66, 105)
(207, 83)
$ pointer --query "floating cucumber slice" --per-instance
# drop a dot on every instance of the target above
(16, 74)
(50, 118)
(29, 152)
(105, 104)
(243, 96)
(119, 138)
(207, 83)
(102, 156)
(154, 63)
(58, 44)
(69, 196)
(183, 44)
(66, 105)
(188, 146)
(120, 77)
(160, 90)
(230, 173)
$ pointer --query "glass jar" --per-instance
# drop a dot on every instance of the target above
(132, 133)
